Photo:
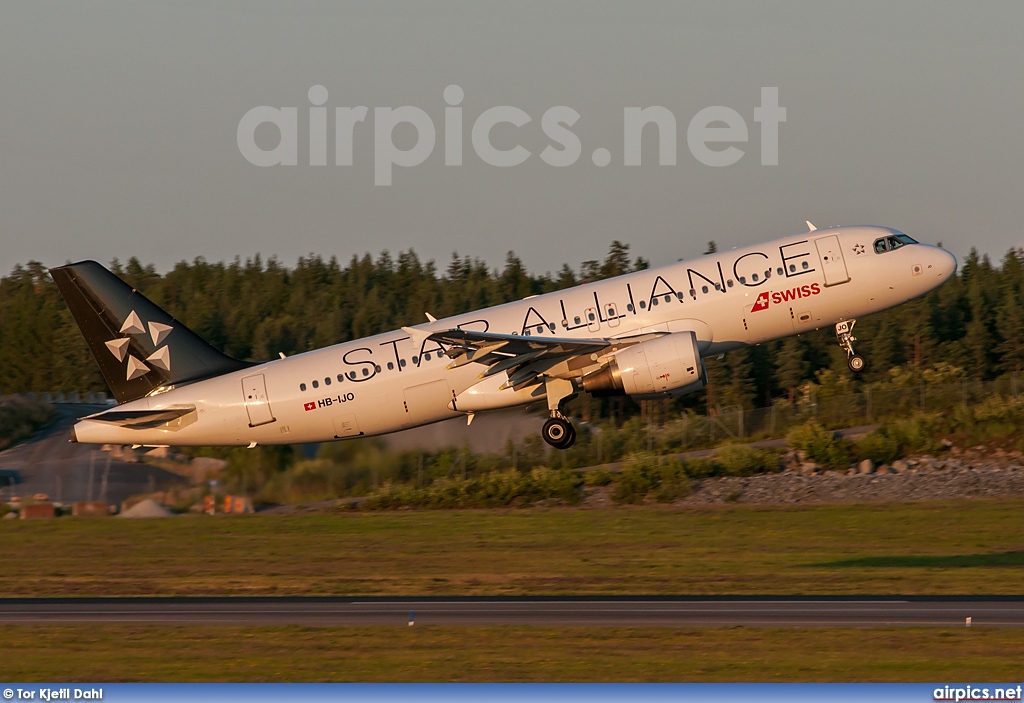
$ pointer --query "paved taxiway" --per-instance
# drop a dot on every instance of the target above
(673, 612)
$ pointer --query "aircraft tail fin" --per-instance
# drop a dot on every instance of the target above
(137, 345)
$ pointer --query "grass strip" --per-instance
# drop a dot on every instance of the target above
(932, 548)
(543, 654)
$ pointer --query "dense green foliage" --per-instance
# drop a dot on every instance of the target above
(20, 417)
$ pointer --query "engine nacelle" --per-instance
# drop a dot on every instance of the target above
(663, 367)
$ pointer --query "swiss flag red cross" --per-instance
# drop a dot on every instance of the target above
(310, 406)
(761, 303)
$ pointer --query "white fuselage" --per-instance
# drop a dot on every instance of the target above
(390, 382)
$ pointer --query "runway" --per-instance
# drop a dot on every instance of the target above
(619, 612)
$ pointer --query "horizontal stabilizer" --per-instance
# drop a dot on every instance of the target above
(143, 419)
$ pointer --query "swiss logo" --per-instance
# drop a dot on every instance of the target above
(309, 406)
(761, 303)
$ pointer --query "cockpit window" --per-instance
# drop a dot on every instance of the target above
(892, 242)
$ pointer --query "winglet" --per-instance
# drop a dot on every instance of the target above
(810, 227)
(430, 317)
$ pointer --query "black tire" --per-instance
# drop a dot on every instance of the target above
(856, 363)
(571, 439)
(558, 433)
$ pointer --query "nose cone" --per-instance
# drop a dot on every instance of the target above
(946, 263)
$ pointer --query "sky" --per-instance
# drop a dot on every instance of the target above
(119, 126)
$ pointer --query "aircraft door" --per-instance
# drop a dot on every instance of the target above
(593, 321)
(611, 311)
(254, 392)
(832, 263)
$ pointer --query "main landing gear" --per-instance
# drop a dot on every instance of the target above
(844, 330)
(557, 430)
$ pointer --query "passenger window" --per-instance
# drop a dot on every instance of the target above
(576, 320)
(805, 266)
(340, 378)
(729, 283)
(629, 306)
(792, 268)
(327, 381)
(366, 372)
(415, 360)
(654, 302)
(755, 277)
(302, 386)
(667, 297)
(643, 305)
(590, 316)
(779, 271)
(401, 363)
(316, 384)
(703, 289)
(391, 366)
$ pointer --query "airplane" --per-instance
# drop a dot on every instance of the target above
(643, 334)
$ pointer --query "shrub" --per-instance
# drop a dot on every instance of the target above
(879, 447)
(821, 445)
(490, 490)
(915, 434)
(743, 460)
(662, 478)
(597, 477)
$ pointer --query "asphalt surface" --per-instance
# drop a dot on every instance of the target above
(669, 612)
(66, 472)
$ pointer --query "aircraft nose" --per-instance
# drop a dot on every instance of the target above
(947, 263)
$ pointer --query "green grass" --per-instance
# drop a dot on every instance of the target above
(433, 653)
(948, 547)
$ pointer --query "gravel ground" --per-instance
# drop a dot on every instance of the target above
(971, 474)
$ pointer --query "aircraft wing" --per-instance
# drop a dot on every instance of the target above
(524, 358)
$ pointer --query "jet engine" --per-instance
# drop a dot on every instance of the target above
(664, 367)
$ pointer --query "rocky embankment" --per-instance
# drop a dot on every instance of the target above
(974, 473)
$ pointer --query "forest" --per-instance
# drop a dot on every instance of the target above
(970, 328)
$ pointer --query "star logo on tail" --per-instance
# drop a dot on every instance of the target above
(135, 367)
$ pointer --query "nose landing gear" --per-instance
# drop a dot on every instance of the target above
(844, 330)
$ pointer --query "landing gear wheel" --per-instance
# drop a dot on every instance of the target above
(572, 437)
(856, 363)
(558, 432)
(844, 331)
